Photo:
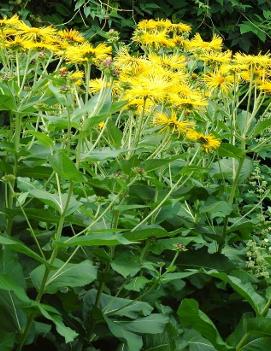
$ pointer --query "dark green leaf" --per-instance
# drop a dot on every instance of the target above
(64, 275)
(20, 247)
(191, 316)
(94, 240)
(62, 165)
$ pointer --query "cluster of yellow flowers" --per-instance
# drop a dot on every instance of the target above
(67, 44)
(172, 80)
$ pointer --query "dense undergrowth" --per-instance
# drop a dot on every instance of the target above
(136, 191)
(244, 25)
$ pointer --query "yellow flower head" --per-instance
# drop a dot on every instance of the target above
(220, 81)
(192, 134)
(217, 57)
(182, 27)
(171, 122)
(15, 43)
(77, 77)
(173, 62)
(192, 101)
(87, 53)
(197, 44)
(253, 60)
(96, 85)
(208, 142)
(71, 36)
(156, 40)
(265, 87)
(256, 75)
(151, 25)
(101, 125)
(36, 34)
(14, 21)
(130, 66)
(156, 87)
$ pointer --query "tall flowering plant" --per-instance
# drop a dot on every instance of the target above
(134, 191)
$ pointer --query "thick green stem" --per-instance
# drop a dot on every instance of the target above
(242, 341)
(47, 272)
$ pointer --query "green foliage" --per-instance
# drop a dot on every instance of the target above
(244, 26)
(119, 235)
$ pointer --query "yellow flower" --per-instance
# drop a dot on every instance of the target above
(172, 62)
(189, 103)
(257, 75)
(192, 134)
(253, 60)
(71, 36)
(36, 34)
(154, 39)
(30, 44)
(96, 85)
(14, 21)
(265, 87)
(198, 44)
(140, 106)
(101, 125)
(156, 87)
(127, 65)
(217, 57)
(171, 123)
(182, 27)
(220, 81)
(150, 25)
(208, 142)
(15, 43)
(163, 24)
(87, 53)
(77, 77)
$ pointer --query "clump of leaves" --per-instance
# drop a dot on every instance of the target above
(129, 198)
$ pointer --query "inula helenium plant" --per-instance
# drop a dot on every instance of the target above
(135, 210)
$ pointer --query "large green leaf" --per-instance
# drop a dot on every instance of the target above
(191, 340)
(8, 284)
(117, 306)
(64, 275)
(191, 316)
(150, 231)
(110, 239)
(260, 127)
(153, 324)
(50, 313)
(259, 344)
(101, 155)
(227, 167)
(253, 327)
(229, 150)
(126, 264)
(133, 341)
(52, 200)
(7, 103)
(152, 164)
(243, 288)
(62, 165)
(217, 209)
(137, 284)
(18, 246)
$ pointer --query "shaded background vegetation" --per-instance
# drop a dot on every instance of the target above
(244, 25)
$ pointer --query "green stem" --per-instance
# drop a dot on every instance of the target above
(47, 272)
(230, 201)
(242, 341)
(174, 187)
(266, 308)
